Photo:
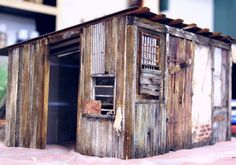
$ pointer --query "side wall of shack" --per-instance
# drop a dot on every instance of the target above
(205, 87)
(26, 115)
(97, 134)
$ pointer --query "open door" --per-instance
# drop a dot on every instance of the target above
(63, 91)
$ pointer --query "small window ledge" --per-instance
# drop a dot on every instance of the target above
(110, 117)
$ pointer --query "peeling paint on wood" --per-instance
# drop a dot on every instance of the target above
(202, 85)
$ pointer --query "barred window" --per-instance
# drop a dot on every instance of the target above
(149, 64)
(150, 52)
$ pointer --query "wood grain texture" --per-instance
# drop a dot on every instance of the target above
(148, 129)
(179, 92)
(23, 96)
(11, 104)
(27, 106)
(129, 88)
(221, 110)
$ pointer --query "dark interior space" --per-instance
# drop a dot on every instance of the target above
(63, 91)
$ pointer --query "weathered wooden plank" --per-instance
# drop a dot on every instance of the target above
(87, 63)
(189, 90)
(80, 129)
(111, 36)
(197, 38)
(179, 90)
(23, 96)
(131, 54)
(11, 103)
(151, 87)
(178, 112)
(38, 101)
(44, 121)
(150, 79)
(64, 35)
(118, 139)
(148, 128)
(228, 86)
(221, 111)
(147, 24)
(151, 71)
(171, 47)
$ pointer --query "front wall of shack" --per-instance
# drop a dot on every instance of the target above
(97, 134)
(146, 115)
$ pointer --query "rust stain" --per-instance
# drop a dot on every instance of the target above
(92, 107)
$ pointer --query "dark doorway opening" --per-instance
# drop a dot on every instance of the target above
(63, 91)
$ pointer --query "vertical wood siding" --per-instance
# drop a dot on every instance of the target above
(202, 92)
(148, 129)
(221, 111)
(148, 117)
(26, 104)
(96, 135)
(179, 91)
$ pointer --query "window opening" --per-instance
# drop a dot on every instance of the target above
(150, 52)
(150, 76)
(104, 92)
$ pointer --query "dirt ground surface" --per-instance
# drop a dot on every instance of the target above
(223, 153)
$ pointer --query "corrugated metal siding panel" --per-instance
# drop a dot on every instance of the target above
(98, 48)
(202, 92)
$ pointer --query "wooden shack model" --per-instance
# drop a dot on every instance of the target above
(141, 84)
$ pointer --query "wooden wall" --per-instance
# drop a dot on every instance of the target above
(199, 92)
(95, 134)
(145, 115)
(26, 115)
(221, 98)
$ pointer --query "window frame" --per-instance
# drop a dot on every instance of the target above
(94, 76)
(160, 38)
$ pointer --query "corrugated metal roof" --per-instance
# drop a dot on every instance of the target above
(144, 12)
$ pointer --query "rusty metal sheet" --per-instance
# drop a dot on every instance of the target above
(92, 107)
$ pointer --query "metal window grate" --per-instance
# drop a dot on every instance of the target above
(150, 52)
(98, 48)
